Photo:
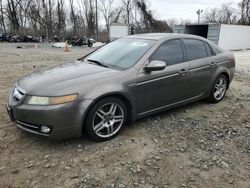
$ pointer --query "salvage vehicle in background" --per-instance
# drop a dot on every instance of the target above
(80, 41)
(25, 38)
(4, 37)
(123, 81)
(16, 38)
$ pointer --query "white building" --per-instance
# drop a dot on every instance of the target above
(228, 37)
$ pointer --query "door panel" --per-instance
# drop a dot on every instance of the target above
(201, 72)
(201, 66)
(161, 88)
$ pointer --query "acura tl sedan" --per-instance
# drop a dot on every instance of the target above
(123, 81)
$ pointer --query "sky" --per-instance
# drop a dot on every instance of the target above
(184, 9)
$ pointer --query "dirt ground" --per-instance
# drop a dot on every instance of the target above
(198, 145)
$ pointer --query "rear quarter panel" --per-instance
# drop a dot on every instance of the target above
(225, 64)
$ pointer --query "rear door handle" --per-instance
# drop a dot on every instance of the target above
(212, 64)
(183, 72)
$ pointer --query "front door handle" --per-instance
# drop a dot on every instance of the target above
(183, 71)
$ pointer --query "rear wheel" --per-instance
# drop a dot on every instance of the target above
(106, 118)
(219, 89)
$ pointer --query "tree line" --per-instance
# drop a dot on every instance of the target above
(229, 14)
(68, 18)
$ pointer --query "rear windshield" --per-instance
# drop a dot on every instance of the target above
(122, 53)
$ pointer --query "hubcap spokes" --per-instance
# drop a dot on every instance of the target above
(108, 120)
(220, 89)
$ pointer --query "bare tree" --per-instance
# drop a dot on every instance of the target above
(228, 14)
(23, 6)
(61, 16)
(90, 16)
(128, 7)
(81, 16)
(211, 15)
(36, 16)
(225, 14)
(244, 7)
(172, 22)
(150, 24)
(13, 15)
(109, 12)
(247, 9)
(2, 20)
(73, 16)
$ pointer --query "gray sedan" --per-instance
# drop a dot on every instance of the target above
(123, 81)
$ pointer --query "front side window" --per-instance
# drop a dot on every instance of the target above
(170, 52)
(195, 49)
(122, 53)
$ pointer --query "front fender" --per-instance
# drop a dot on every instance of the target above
(100, 92)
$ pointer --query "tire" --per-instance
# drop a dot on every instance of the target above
(219, 89)
(106, 119)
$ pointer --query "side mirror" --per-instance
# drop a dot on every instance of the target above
(155, 65)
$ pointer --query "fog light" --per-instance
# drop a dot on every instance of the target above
(45, 129)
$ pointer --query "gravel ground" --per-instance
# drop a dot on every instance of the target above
(198, 145)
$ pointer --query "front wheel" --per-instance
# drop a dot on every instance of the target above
(219, 89)
(105, 119)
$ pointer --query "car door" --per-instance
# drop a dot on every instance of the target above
(199, 55)
(158, 89)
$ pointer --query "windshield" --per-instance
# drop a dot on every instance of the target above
(121, 53)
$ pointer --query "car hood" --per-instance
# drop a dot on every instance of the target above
(64, 79)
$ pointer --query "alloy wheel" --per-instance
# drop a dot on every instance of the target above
(108, 120)
(220, 88)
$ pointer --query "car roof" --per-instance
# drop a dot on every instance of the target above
(161, 36)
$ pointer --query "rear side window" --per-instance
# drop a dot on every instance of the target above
(209, 50)
(171, 52)
(195, 49)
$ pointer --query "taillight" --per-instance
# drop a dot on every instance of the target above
(232, 59)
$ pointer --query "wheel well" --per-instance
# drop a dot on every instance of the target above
(119, 96)
(126, 102)
(227, 76)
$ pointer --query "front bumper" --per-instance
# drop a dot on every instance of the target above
(65, 120)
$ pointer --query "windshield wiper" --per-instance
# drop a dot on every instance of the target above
(98, 63)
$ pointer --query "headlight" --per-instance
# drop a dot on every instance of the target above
(36, 100)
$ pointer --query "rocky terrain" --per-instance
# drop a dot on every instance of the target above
(198, 145)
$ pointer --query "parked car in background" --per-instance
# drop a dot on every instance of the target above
(16, 38)
(4, 37)
(91, 42)
(123, 81)
(36, 39)
(56, 38)
(80, 41)
(27, 38)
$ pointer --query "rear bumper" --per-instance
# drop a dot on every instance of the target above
(65, 120)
